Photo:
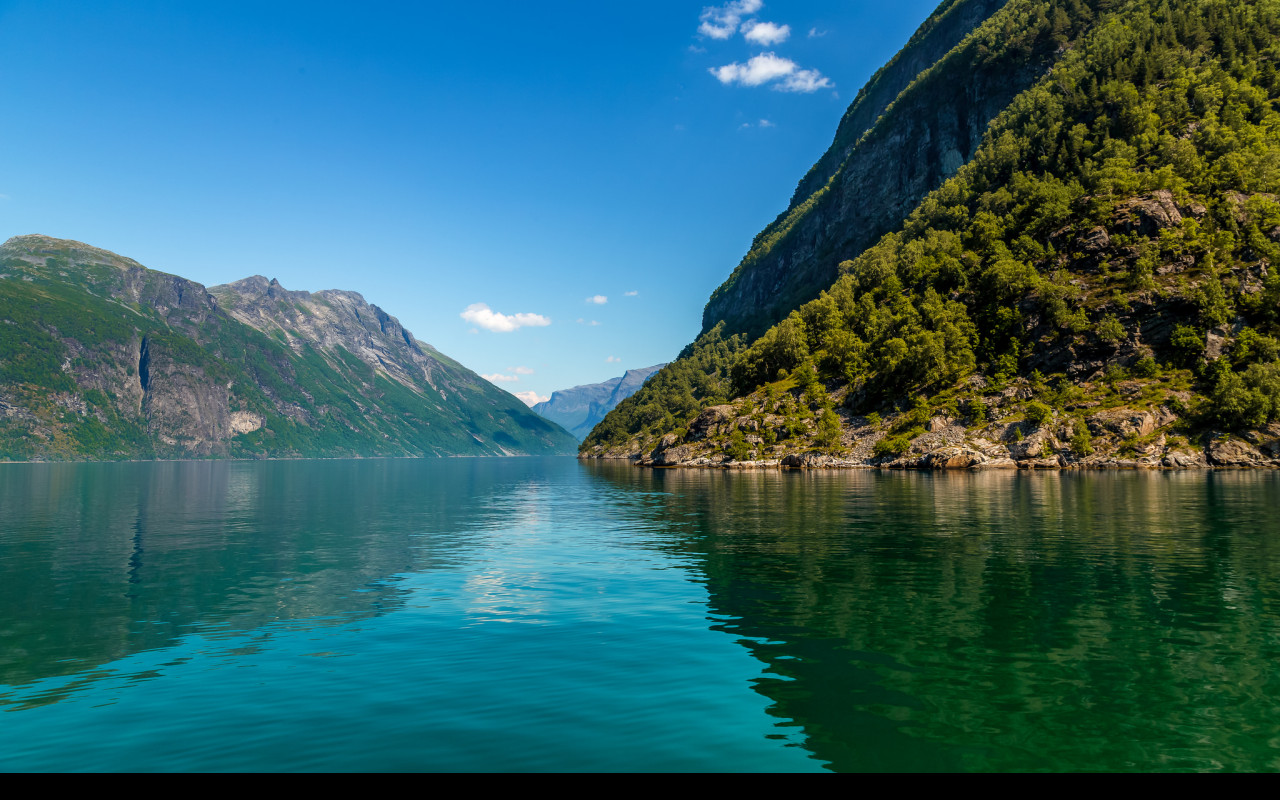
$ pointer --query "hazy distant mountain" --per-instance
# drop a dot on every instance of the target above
(578, 410)
(102, 358)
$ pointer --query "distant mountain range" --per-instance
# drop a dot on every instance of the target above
(578, 410)
(102, 358)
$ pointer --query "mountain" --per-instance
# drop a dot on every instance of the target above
(579, 409)
(1053, 246)
(102, 358)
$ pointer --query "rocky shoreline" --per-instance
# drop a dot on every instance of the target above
(1121, 438)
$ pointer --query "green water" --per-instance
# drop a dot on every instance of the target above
(541, 614)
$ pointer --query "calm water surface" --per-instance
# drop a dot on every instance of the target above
(541, 614)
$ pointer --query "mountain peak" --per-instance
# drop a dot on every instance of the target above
(37, 247)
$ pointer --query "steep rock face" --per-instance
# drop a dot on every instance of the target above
(103, 358)
(327, 320)
(579, 409)
(944, 29)
(889, 153)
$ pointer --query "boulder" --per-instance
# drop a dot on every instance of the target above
(1149, 215)
(807, 460)
(1123, 422)
(712, 421)
(1032, 446)
(1225, 451)
(952, 458)
(998, 463)
(1184, 459)
(1095, 240)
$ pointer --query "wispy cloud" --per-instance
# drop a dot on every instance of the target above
(612, 360)
(531, 398)
(592, 323)
(498, 377)
(520, 370)
(805, 80)
(814, 33)
(764, 123)
(480, 315)
(721, 22)
(765, 33)
(631, 293)
(597, 299)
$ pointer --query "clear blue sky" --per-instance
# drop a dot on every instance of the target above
(524, 156)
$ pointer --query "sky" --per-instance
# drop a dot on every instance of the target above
(546, 192)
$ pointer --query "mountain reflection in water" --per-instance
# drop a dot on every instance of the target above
(1000, 620)
(542, 614)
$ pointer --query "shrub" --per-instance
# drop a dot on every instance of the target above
(894, 446)
(1187, 345)
(828, 429)
(1246, 400)
(1038, 413)
(1081, 440)
(1110, 329)
(1146, 368)
(977, 410)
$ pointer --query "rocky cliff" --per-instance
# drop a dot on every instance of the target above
(915, 123)
(581, 408)
(1092, 285)
(102, 358)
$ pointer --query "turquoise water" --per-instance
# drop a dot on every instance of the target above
(541, 614)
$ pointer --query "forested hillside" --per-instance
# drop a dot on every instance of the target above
(102, 358)
(1093, 286)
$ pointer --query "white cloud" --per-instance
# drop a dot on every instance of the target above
(480, 315)
(721, 22)
(612, 360)
(593, 323)
(759, 70)
(805, 80)
(498, 377)
(520, 370)
(764, 123)
(814, 33)
(765, 33)
(768, 67)
(531, 398)
(631, 293)
(598, 299)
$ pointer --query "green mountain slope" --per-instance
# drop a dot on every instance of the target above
(1093, 286)
(102, 358)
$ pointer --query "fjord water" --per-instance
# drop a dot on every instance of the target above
(542, 614)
